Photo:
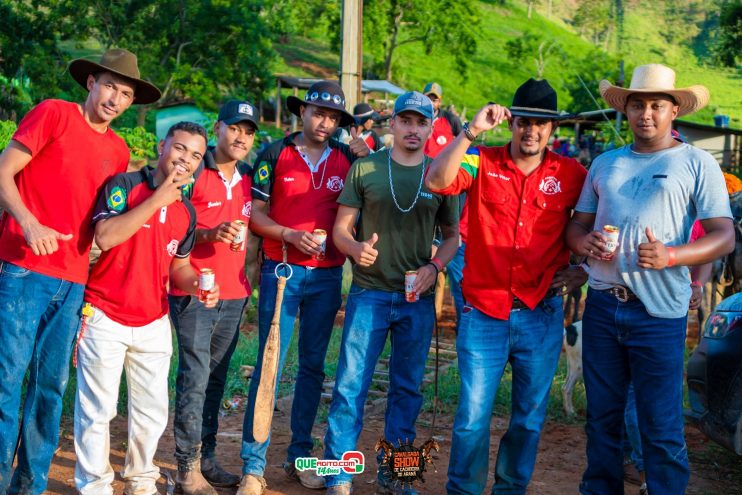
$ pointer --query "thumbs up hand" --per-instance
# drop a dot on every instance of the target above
(364, 253)
(653, 254)
(357, 145)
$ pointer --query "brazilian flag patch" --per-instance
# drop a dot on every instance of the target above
(264, 173)
(188, 190)
(117, 199)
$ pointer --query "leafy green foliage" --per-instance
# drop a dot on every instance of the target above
(727, 51)
(7, 128)
(142, 144)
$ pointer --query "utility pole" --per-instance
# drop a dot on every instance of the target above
(352, 51)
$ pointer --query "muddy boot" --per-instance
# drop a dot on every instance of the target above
(190, 481)
(216, 475)
(251, 485)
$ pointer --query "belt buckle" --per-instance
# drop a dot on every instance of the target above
(621, 293)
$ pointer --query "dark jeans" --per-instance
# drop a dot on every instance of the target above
(313, 293)
(39, 316)
(622, 343)
(206, 340)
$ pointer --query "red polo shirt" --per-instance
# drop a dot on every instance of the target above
(516, 226)
(129, 282)
(217, 201)
(299, 198)
(71, 162)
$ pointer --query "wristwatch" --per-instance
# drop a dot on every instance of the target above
(468, 133)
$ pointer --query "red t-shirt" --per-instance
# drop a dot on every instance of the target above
(71, 162)
(464, 222)
(216, 202)
(129, 282)
(301, 199)
(516, 226)
(441, 136)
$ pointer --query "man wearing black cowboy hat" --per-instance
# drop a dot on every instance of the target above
(365, 117)
(300, 177)
(50, 175)
(520, 198)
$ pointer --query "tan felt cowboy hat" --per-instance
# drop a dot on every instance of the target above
(655, 78)
(122, 63)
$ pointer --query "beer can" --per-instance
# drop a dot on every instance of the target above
(611, 234)
(320, 237)
(238, 243)
(410, 293)
(206, 281)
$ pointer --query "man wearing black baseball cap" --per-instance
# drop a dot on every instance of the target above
(50, 176)
(520, 197)
(365, 117)
(207, 337)
(300, 179)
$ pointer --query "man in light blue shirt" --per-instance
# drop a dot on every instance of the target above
(636, 310)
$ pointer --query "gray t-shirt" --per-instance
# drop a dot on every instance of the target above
(666, 191)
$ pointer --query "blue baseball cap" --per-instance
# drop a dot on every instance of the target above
(414, 101)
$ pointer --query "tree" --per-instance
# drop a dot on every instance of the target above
(727, 49)
(446, 25)
(593, 21)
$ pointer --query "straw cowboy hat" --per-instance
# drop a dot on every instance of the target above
(122, 63)
(655, 78)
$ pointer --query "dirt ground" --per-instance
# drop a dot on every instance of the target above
(559, 466)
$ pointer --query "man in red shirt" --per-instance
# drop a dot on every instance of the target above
(50, 173)
(145, 228)
(365, 118)
(300, 177)
(207, 337)
(446, 126)
(520, 198)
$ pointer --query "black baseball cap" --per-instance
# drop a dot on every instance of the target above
(235, 111)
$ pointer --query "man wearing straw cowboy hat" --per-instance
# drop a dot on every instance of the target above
(50, 176)
(635, 315)
(520, 199)
(295, 188)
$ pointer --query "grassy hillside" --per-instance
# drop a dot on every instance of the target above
(493, 76)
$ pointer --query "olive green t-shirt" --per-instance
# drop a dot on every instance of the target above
(405, 239)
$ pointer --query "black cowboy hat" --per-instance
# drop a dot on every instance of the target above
(122, 63)
(326, 94)
(536, 99)
(363, 112)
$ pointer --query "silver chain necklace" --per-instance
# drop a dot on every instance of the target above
(322, 160)
(391, 184)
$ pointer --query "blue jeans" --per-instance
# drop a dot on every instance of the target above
(631, 422)
(455, 270)
(622, 343)
(39, 316)
(531, 342)
(369, 316)
(206, 341)
(314, 293)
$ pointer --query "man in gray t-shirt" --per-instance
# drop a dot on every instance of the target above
(636, 310)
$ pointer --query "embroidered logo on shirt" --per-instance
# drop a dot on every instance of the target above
(172, 247)
(441, 140)
(213, 204)
(247, 209)
(117, 199)
(550, 185)
(288, 179)
(146, 226)
(335, 184)
(498, 176)
(426, 195)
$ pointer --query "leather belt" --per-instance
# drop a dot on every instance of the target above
(621, 293)
(518, 304)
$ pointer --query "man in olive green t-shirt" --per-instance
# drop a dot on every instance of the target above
(394, 234)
